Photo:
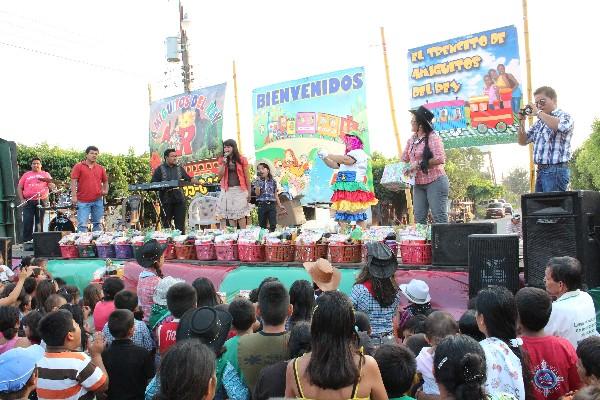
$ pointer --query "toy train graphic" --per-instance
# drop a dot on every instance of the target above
(478, 113)
(313, 123)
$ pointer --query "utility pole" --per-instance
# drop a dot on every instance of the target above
(186, 67)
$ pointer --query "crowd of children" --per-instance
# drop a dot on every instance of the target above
(172, 340)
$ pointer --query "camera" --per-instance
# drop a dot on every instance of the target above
(527, 110)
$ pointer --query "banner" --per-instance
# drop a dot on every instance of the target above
(192, 124)
(472, 84)
(294, 119)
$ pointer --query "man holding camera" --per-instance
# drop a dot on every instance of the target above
(551, 137)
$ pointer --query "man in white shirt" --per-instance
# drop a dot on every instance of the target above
(573, 315)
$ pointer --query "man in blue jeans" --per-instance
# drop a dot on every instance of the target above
(551, 137)
(89, 183)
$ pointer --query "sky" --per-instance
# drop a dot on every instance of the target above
(76, 73)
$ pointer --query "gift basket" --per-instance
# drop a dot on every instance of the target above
(251, 246)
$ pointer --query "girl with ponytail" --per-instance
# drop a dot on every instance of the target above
(507, 368)
(459, 367)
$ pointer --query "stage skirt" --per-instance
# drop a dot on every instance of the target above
(351, 199)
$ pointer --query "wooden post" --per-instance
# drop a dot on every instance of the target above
(529, 94)
(237, 109)
(409, 204)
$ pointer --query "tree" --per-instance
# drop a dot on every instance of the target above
(462, 166)
(585, 163)
(483, 189)
(517, 181)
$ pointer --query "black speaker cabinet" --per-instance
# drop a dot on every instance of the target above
(6, 250)
(449, 242)
(557, 224)
(45, 244)
(493, 261)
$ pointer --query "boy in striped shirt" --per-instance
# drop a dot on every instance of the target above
(65, 372)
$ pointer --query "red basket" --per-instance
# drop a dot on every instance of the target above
(345, 253)
(305, 253)
(321, 250)
(185, 251)
(69, 251)
(227, 252)
(251, 252)
(415, 253)
(170, 252)
(206, 252)
(280, 252)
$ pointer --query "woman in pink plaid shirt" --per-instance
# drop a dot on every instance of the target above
(151, 258)
(425, 152)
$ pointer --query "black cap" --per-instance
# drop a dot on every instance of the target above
(208, 324)
(423, 115)
(381, 260)
(150, 252)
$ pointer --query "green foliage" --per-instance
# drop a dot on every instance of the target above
(378, 163)
(516, 183)
(122, 170)
(483, 189)
(585, 163)
(463, 167)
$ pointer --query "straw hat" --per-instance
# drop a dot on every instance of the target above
(324, 275)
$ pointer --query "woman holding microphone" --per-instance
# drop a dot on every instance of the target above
(234, 201)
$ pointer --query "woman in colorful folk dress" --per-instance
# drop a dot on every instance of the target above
(351, 195)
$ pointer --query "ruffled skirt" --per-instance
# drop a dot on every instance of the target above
(351, 199)
(233, 204)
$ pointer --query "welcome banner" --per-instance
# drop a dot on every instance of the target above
(192, 124)
(294, 119)
(472, 84)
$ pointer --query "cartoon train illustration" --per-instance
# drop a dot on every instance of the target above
(314, 123)
(451, 115)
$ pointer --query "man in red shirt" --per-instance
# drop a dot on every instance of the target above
(552, 359)
(89, 183)
(33, 190)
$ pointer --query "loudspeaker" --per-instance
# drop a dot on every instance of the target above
(493, 261)
(45, 244)
(557, 224)
(449, 242)
(6, 250)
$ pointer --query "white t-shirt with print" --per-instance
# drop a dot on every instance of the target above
(573, 317)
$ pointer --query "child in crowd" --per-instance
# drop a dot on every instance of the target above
(398, 368)
(497, 318)
(552, 360)
(63, 368)
(415, 343)
(243, 316)
(150, 257)
(18, 372)
(129, 367)
(9, 327)
(110, 288)
(439, 324)
(180, 298)
(44, 289)
(467, 324)
(363, 330)
(30, 326)
(159, 311)
(414, 325)
(73, 291)
(267, 199)
(419, 301)
(92, 294)
(128, 300)
(54, 302)
(6, 273)
(188, 372)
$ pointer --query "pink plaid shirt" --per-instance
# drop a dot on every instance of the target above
(413, 153)
(145, 290)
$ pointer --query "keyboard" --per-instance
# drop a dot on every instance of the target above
(145, 186)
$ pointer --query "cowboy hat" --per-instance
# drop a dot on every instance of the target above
(149, 253)
(417, 291)
(423, 115)
(208, 324)
(381, 260)
(324, 275)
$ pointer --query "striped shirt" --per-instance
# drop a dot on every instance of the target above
(68, 376)
(552, 147)
(413, 153)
